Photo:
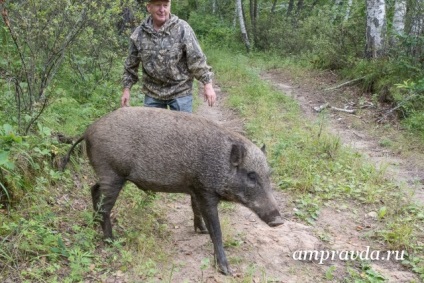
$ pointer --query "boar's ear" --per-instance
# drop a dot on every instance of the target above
(238, 152)
(263, 148)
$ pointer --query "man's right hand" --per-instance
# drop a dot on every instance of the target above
(125, 98)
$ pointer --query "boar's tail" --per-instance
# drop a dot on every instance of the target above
(65, 159)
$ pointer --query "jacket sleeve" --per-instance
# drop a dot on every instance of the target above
(196, 59)
(130, 76)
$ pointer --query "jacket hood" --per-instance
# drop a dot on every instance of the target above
(147, 25)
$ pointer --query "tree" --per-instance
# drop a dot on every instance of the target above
(417, 29)
(417, 21)
(39, 36)
(376, 24)
(290, 7)
(41, 33)
(253, 18)
(348, 8)
(239, 8)
(399, 17)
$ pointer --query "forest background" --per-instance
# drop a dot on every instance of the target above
(61, 65)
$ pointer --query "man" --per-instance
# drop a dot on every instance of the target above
(171, 57)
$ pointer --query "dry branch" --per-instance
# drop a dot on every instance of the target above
(326, 105)
(345, 84)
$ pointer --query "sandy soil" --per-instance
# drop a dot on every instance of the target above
(258, 253)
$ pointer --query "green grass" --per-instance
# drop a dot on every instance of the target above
(51, 236)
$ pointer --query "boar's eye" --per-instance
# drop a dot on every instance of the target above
(252, 176)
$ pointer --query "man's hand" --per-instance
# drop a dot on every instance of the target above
(125, 98)
(210, 94)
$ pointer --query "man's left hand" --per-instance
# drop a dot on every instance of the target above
(210, 94)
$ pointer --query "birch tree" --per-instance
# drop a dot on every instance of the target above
(242, 25)
(348, 8)
(417, 21)
(376, 24)
(399, 17)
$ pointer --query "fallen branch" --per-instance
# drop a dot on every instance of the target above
(350, 111)
(345, 84)
(326, 105)
(321, 107)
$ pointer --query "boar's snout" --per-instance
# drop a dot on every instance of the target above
(277, 222)
(272, 218)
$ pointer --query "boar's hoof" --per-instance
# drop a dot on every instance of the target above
(201, 231)
(225, 270)
(108, 240)
(201, 226)
(277, 222)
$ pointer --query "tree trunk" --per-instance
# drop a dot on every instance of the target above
(290, 7)
(299, 7)
(417, 21)
(235, 15)
(242, 25)
(376, 24)
(417, 29)
(348, 8)
(398, 20)
(274, 4)
(253, 19)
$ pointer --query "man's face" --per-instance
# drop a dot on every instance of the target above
(159, 10)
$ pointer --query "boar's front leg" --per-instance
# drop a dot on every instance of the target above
(208, 205)
(198, 221)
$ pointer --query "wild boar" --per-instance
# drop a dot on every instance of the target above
(168, 151)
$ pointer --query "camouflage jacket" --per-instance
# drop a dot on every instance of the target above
(170, 59)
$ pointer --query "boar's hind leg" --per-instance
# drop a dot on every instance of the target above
(95, 196)
(104, 194)
(198, 221)
(208, 205)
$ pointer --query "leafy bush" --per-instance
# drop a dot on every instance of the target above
(26, 162)
(213, 31)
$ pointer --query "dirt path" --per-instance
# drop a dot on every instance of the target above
(359, 130)
(258, 253)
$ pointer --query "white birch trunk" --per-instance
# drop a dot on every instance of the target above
(399, 17)
(376, 24)
(417, 27)
(242, 25)
(348, 8)
(235, 15)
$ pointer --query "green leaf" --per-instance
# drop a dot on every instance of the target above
(5, 162)
(382, 212)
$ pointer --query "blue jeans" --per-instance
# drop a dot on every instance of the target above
(184, 104)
